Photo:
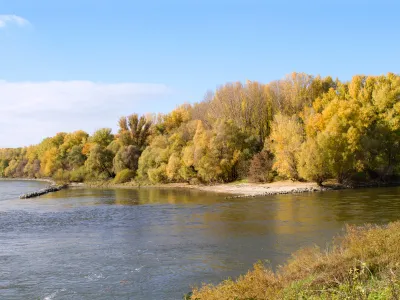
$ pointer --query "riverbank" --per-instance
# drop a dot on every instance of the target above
(240, 189)
(234, 190)
(48, 180)
(361, 265)
(243, 189)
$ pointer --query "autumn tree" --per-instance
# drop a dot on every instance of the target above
(312, 162)
(99, 162)
(312, 128)
(261, 167)
(286, 139)
(134, 130)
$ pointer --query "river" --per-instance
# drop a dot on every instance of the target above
(157, 243)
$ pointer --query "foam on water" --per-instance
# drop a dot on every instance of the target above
(94, 276)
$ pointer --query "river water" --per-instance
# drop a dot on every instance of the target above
(157, 243)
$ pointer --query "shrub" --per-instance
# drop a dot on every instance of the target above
(62, 176)
(158, 175)
(124, 176)
(312, 163)
(364, 264)
(261, 167)
(78, 175)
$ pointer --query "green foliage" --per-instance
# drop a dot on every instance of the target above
(75, 157)
(78, 175)
(153, 159)
(123, 176)
(99, 162)
(102, 137)
(159, 174)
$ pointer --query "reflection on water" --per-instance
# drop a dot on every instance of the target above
(156, 243)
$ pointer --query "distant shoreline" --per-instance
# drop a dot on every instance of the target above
(235, 189)
(51, 181)
(239, 189)
(232, 190)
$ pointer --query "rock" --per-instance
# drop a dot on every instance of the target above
(282, 192)
(50, 189)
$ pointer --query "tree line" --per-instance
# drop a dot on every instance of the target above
(301, 127)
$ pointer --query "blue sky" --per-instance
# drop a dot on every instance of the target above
(82, 64)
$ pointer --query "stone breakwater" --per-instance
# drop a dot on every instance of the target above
(49, 189)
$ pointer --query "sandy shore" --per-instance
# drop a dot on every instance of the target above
(233, 189)
(254, 189)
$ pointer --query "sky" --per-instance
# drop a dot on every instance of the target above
(82, 64)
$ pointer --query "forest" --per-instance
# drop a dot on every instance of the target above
(302, 127)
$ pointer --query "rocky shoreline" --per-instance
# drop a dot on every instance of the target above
(309, 188)
(283, 192)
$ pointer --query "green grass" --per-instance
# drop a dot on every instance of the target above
(363, 264)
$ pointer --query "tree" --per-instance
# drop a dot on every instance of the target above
(286, 138)
(261, 167)
(312, 128)
(75, 157)
(99, 162)
(127, 157)
(102, 137)
(247, 106)
(153, 161)
(173, 168)
(312, 162)
(134, 130)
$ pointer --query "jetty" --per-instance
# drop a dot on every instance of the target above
(49, 189)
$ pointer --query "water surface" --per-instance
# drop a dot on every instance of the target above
(15, 188)
(157, 243)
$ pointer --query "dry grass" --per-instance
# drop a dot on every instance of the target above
(364, 264)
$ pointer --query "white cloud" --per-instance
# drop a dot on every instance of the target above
(12, 19)
(31, 111)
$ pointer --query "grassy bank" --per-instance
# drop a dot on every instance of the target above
(364, 264)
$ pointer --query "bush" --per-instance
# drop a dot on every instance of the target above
(62, 176)
(124, 176)
(364, 264)
(78, 175)
(261, 167)
(312, 162)
(158, 175)
(243, 168)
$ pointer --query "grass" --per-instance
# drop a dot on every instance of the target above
(363, 264)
